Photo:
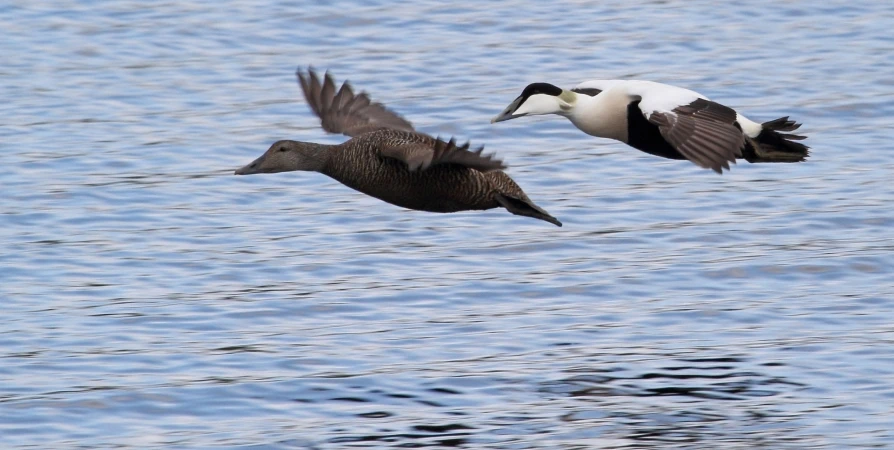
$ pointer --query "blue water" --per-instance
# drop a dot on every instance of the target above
(151, 299)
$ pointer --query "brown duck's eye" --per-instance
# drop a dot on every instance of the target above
(282, 149)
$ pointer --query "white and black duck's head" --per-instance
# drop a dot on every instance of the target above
(536, 99)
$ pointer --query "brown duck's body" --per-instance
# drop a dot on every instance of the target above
(387, 159)
(441, 188)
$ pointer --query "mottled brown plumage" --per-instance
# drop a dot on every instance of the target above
(387, 159)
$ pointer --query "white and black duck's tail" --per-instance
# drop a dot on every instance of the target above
(776, 144)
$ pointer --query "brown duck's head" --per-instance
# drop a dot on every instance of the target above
(286, 156)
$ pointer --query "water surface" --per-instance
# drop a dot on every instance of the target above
(152, 299)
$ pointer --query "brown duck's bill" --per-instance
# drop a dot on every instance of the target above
(250, 169)
(506, 114)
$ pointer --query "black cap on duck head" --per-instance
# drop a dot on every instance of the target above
(540, 88)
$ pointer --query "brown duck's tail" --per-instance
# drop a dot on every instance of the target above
(523, 206)
(774, 144)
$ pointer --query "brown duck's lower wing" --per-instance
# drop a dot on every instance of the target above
(421, 152)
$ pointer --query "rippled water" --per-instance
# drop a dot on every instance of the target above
(152, 299)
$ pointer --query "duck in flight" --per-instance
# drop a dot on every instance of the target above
(388, 159)
(663, 120)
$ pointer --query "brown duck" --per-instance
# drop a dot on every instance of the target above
(387, 159)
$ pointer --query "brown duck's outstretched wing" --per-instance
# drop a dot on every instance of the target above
(420, 152)
(344, 112)
(702, 131)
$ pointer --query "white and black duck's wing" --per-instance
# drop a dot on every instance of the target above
(345, 112)
(419, 152)
(703, 131)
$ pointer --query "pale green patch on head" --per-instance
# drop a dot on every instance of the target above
(568, 99)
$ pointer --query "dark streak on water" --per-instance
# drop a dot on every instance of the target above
(153, 300)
